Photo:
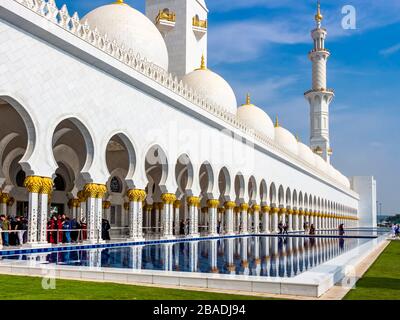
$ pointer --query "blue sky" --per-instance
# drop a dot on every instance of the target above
(261, 46)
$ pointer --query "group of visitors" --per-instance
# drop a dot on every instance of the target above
(62, 229)
(13, 230)
(395, 230)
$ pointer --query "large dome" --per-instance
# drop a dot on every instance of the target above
(285, 139)
(256, 118)
(213, 87)
(131, 28)
(306, 153)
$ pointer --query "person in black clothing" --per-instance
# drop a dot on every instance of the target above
(285, 229)
(182, 228)
(280, 227)
(105, 229)
(341, 230)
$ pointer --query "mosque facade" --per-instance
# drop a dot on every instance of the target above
(115, 115)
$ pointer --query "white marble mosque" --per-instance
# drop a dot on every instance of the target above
(116, 115)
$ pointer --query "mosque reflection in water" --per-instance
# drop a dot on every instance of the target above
(255, 256)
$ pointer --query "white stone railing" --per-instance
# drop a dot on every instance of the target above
(49, 10)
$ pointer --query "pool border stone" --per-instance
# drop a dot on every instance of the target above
(313, 283)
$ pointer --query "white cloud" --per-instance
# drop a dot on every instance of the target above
(391, 50)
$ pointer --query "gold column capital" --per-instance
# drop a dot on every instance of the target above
(266, 209)
(275, 210)
(230, 205)
(256, 207)
(282, 210)
(81, 196)
(136, 195)
(177, 204)
(4, 198)
(193, 201)
(126, 205)
(106, 204)
(74, 203)
(244, 206)
(213, 203)
(95, 190)
(168, 198)
(36, 184)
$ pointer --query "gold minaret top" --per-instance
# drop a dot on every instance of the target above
(203, 63)
(319, 17)
(276, 122)
(248, 100)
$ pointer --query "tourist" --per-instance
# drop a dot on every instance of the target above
(5, 226)
(20, 232)
(1, 236)
(285, 229)
(83, 229)
(341, 229)
(393, 230)
(25, 229)
(280, 227)
(312, 230)
(66, 227)
(182, 227)
(74, 226)
(105, 229)
(397, 231)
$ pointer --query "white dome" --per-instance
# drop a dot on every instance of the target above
(321, 163)
(132, 29)
(256, 118)
(306, 153)
(284, 138)
(213, 87)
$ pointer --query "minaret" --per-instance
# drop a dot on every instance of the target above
(319, 96)
(184, 26)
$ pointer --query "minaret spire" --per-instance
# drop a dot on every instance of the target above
(319, 97)
(319, 17)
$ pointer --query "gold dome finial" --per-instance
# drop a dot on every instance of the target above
(277, 122)
(119, 2)
(319, 17)
(203, 63)
(248, 100)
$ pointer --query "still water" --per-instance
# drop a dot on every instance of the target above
(254, 256)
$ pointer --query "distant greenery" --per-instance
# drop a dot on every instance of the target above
(382, 280)
(393, 219)
(30, 288)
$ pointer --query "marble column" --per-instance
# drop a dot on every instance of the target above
(136, 198)
(44, 194)
(168, 216)
(37, 188)
(4, 198)
(107, 210)
(194, 205)
(212, 215)
(229, 206)
(177, 206)
(290, 220)
(94, 207)
(275, 218)
(244, 207)
(265, 219)
(82, 206)
(256, 218)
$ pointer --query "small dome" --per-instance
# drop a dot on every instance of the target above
(212, 87)
(256, 118)
(306, 153)
(284, 138)
(130, 28)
